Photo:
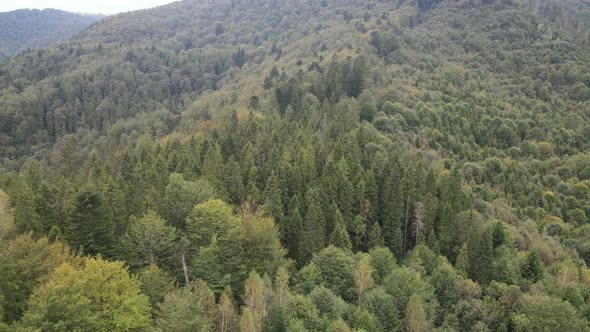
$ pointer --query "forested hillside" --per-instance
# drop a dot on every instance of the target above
(32, 28)
(273, 165)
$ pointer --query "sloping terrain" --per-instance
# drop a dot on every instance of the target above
(320, 165)
(29, 29)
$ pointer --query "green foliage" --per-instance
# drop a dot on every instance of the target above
(383, 263)
(7, 227)
(181, 196)
(548, 313)
(416, 320)
(261, 244)
(89, 228)
(403, 283)
(26, 263)
(26, 28)
(97, 296)
(155, 284)
(336, 270)
(186, 309)
(407, 129)
(313, 234)
(148, 241)
(212, 226)
(379, 303)
(328, 303)
(533, 267)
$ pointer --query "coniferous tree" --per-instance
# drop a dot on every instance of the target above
(391, 209)
(233, 181)
(533, 267)
(339, 236)
(274, 204)
(446, 229)
(313, 234)
(213, 169)
(462, 261)
(295, 228)
(155, 284)
(26, 217)
(375, 237)
(89, 227)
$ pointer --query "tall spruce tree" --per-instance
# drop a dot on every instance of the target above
(313, 236)
(89, 227)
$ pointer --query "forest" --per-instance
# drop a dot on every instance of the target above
(274, 165)
(27, 29)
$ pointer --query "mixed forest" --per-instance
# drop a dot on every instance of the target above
(273, 165)
(27, 29)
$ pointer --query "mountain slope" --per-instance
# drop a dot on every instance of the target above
(33, 28)
(331, 165)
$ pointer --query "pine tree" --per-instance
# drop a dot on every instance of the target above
(233, 181)
(392, 208)
(26, 217)
(213, 169)
(533, 268)
(481, 257)
(89, 228)
(359, 230)
(295, 227)
(313, 235)
(446, 229)
(462, 262)
(375, 237)
(340, 237)
(239, 57)
(273, 203)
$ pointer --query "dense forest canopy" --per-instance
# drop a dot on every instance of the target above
(273, 165)
(32, 28)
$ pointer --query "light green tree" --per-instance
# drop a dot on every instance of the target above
(95, 296)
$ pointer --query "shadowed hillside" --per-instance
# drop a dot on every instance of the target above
(27, 29)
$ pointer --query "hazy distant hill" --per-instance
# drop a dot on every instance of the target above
(34, 28)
